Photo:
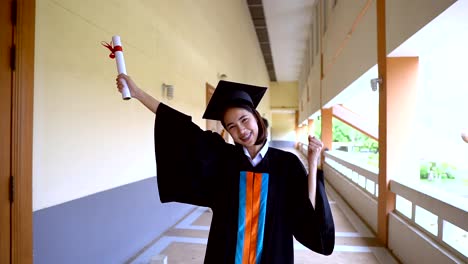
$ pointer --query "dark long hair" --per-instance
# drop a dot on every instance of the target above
(262, 130)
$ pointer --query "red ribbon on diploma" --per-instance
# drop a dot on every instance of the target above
(112, 49)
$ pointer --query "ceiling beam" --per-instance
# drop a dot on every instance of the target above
(258, 18)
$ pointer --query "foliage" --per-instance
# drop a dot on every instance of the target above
(345, 133)
(431, 170)
(424, 171)
(318, 127)
(373, 159)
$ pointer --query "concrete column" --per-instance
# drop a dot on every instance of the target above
(386, 201)
(304, 133)
(398, 150)
(327, 128)
(298, 134)
(402, 79)
(310, 127)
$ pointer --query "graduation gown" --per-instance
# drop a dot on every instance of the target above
(256, 210)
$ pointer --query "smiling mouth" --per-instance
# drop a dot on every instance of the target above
(247, 137)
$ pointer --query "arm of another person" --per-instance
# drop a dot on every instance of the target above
(147, 100)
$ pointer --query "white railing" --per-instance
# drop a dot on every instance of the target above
(365, 178)
(302, 148)
(356, 184)
(443, 222)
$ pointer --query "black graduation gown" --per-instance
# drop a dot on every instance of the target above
(198, 167)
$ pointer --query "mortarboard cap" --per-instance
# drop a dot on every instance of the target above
(230, 94)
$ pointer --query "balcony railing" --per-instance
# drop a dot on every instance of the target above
(439, 220)
(365, 177)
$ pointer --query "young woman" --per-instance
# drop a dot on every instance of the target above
(261, 197)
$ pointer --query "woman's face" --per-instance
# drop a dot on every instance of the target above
(242, 126)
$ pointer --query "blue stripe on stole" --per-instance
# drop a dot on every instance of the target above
(261, 216)
(241, 219)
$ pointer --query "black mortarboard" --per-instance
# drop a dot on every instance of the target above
(229, 94)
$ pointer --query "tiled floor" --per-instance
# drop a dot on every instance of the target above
(355, 243)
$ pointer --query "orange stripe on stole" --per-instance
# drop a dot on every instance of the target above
(248, 217)
(255, 213)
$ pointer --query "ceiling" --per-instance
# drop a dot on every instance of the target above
(282, 28)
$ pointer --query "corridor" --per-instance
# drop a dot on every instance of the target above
(77, 163)
(185, 242)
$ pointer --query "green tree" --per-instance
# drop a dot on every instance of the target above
(345, 133)
(341, 132)
(318, 127)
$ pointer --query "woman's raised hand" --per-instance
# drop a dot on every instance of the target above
(147, 100)
(132, 87)
(314, 150)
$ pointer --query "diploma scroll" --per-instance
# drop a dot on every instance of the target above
(116, 50)
(119, 59)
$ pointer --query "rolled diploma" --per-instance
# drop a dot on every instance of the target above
(119, 59)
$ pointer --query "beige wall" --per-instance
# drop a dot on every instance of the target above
(283, 94)
(284, 100)
(283, 127)
(405, 18)
(315, 100)
(312, 101)
(347, 56)
(358, 52)
(86, 139)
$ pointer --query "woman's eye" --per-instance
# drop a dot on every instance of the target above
(244, 120)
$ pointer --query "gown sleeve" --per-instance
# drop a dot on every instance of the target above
(187, 158)
(314, 228)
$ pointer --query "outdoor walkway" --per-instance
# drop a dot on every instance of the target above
(186, 241)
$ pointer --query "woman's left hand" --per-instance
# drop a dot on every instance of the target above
(314, 150)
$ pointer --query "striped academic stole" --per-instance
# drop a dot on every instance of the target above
(253, 192)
